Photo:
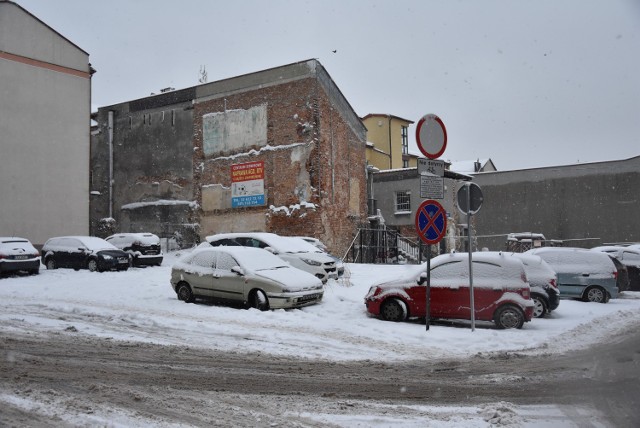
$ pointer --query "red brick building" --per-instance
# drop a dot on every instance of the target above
(289, 126)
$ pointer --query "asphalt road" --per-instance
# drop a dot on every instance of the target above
(163, 385)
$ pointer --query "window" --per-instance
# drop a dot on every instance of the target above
(405, 140)
(403, 201)
(405, 163)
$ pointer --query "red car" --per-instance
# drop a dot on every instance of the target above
(501, 291)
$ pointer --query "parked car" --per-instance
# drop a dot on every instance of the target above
(143, 248)
(18, 254)
(249, 276)
(583, 274)
(83, 252)
(501, 291)
(320, 245)
(629, 257)
(543, 282)
(315, 241)
(294, 251)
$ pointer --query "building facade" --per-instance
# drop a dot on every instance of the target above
(280, 150)
(44, 129)
(388, 142)
(583, 205)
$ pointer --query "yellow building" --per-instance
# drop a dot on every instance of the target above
(388, 142)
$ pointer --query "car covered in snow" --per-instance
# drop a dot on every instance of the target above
(251, 277)
(582, 274)
(501, 291)
(543, 282)
(18, 255)
(628, 256)
(297, 252)
(143, 248)
(83, 252)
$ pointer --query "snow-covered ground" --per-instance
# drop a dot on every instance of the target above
(140, 305)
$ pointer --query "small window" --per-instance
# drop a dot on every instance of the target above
(405, 163)
(225, 262)
(403, 201)
(405, 140)
(205, 259)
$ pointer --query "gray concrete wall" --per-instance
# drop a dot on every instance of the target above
(586, 204)
(44, 130)
(152, 165)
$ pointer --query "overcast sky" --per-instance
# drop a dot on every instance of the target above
(524, 83)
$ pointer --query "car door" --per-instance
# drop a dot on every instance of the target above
(488, 288)
(228, 285)
(69, 252)
(200, 273)
(450, 290)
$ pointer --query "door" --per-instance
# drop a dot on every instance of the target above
(450, 291)
(228, 285)
(200, 273)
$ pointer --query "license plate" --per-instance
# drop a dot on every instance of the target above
(308, 297)
(21, 257)
(123, 260)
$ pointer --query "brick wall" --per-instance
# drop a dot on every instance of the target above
(314, 167)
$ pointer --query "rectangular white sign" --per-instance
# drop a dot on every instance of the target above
(431, 187)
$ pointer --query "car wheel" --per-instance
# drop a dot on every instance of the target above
(509, 316)
(51, 264)
(540, 307)
(393, 310)
(258, 300)
(184, 292)
(92, 265)
(596, 295)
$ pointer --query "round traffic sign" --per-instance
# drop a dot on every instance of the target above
(431, 136)
(431, 221)
(470, 198)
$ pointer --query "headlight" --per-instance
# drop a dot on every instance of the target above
(372, 292)
(107, 257)
(311, 262)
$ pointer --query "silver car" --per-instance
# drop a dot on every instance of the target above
(582, 274)
(251, 277)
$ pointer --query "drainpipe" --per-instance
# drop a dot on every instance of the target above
(390, 146)
(110, 133)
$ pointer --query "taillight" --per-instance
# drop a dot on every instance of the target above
(615, 274)
(526, 293)
(553, 282)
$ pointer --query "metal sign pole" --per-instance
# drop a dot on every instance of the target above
(428, 294)
(471, 302)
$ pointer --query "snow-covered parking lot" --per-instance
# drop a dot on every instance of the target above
(140, 306)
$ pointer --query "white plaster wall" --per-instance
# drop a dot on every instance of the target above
(44, 138)
(22, 34)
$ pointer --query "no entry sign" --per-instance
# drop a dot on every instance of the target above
(431, 222)
(431, 136)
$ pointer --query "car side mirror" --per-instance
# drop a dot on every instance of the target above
(271, 250)
(237, 270)
(422, 278)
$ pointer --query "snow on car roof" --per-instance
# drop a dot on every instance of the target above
(575, 260)
(279, 243)
(4, 239)
(93, 243)
(250, 258)
(143, 237)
